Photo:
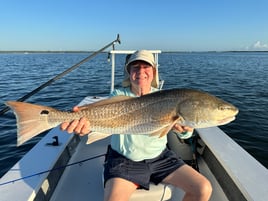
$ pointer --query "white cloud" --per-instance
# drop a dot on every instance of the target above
(259, 45)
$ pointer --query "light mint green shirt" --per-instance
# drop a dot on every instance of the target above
(137, 147)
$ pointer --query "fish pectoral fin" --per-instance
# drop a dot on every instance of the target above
(164, 131)
(95, 136)
(161, 132)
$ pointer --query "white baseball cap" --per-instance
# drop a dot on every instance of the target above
(142, 55)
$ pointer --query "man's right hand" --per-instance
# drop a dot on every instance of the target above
(80, 127)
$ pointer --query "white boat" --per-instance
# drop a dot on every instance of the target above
(63, 167)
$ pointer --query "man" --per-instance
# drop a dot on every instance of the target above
(133, 161)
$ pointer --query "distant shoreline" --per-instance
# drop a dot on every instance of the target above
(41, 51)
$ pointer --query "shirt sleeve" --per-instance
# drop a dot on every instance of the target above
(184, 135)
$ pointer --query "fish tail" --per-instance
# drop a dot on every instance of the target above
(31, 119)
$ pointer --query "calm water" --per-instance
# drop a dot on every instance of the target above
(240, 78)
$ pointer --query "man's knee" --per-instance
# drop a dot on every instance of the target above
(118, 189)
(204, 190)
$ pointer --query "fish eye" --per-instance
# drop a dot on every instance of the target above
(223, 107)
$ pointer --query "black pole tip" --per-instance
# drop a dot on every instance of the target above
(118, 39)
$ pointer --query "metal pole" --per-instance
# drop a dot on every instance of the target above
(112, 73)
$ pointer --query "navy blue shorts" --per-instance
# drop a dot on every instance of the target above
(141, 172)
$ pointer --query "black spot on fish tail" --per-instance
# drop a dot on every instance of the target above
(44, 112)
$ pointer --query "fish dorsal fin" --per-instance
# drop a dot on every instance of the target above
(107, 101)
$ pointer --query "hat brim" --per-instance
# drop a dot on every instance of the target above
(140, 58)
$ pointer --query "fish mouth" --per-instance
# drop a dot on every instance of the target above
(230, 118)
(226, 120)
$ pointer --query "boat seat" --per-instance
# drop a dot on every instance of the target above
(85, 189)
(156, 192)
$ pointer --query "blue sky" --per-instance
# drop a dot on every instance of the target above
(177, 25)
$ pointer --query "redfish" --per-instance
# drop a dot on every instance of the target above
(153, 114)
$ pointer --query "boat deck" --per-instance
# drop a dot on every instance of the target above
(84, 180)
